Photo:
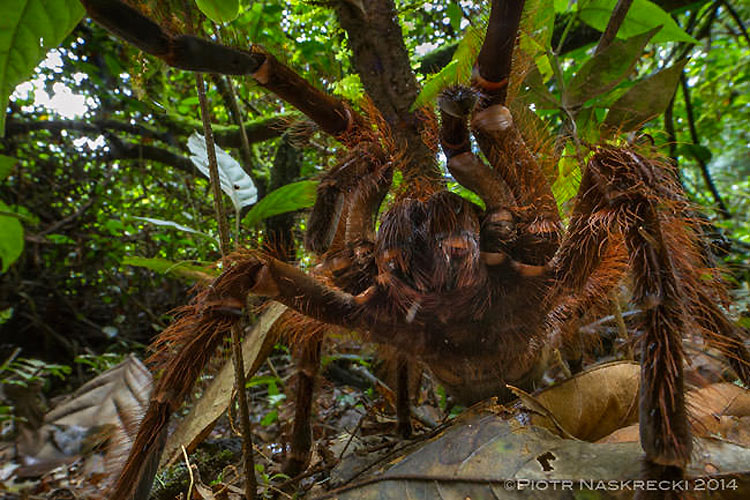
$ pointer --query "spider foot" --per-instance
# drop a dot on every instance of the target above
(494, 119)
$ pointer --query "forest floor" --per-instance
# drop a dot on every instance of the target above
(354, 431)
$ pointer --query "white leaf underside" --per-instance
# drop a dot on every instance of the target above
(234, 180)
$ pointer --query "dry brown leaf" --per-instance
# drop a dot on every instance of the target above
(735, 430)
(594, 403)
(106, 408)
(629, 434)
(536, 406)
(202, 492)
(215, 400)
(719, 399)
(717, 411)
(487, 455)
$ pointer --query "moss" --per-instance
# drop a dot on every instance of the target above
(211, 458)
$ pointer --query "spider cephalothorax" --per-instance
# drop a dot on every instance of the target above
(478, 294)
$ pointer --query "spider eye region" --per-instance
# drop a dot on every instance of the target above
(431, 247)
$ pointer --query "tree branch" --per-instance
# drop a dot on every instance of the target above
(191, 53)
(226, 136)
(613, 26)
(737, 19)
(379, 56)
(19, 127)
(120, 150)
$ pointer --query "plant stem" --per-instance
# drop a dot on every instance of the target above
(239, 367)
(613, 26)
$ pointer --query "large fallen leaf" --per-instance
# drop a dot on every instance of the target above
(719, 410)
(105, 409)
(215, 400)
(594, 403)
(719, 399)
(486, 455)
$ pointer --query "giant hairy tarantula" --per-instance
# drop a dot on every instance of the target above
(474, 293)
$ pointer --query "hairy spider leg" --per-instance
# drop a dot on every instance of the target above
(624, 195)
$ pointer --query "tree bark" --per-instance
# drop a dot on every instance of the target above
(381, 59)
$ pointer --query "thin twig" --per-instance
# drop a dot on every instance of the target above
(613, 26)
(239, 366)
(671, 134)
(723, 211)
(737, 19)
(351, 437)
(190, 473)
(213, 167)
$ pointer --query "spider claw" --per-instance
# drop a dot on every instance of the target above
(493, 258)
(365, 296)
(529, 270)
(496, 118)
(412, 312)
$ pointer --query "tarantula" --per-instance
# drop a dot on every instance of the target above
(479, 294)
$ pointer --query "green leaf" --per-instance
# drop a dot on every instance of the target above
(568, 179)
(642, 16)
(11, 238)
(172, 224)
(184, 269)
(350, 88)
(453, 11)
(28, 29)
(270, 417)
(537, 23)
(564, 5)
(219, 11)
(6, 165)
(294, 196)
(605, 70)
(538, 93)
(645, 100)
(698, 151)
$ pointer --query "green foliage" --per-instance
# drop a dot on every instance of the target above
(642, 16)
(185, 270)
(458, 71)
(289, 198)
(29, 29)
(11, 230)
(99, 363)
(219, 11)
(604, 71)
(25, 372)
(645, 100)
(6, 164)
(11, 237)
(274, 396)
